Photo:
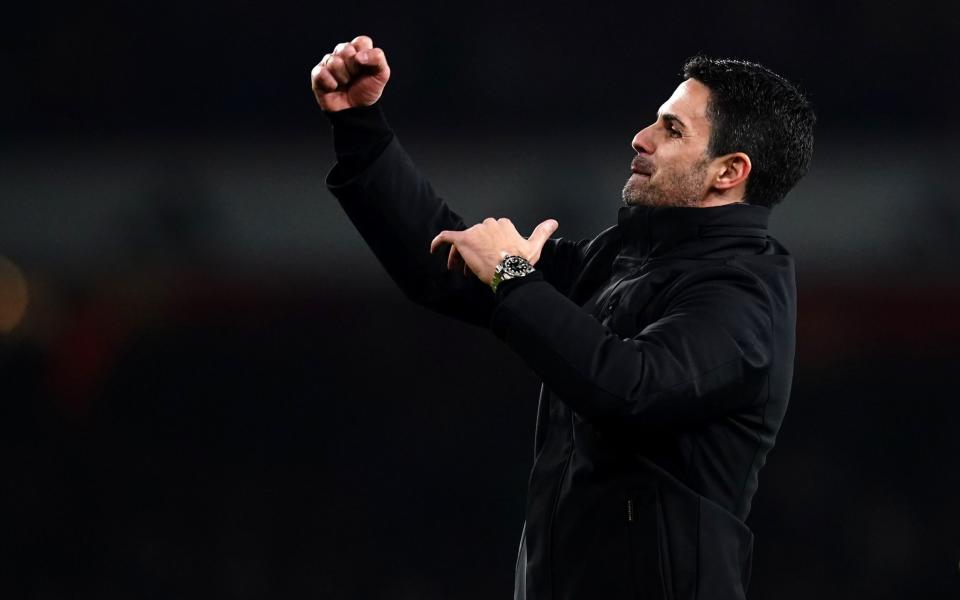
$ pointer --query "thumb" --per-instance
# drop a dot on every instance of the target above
(372, 58)
(542, 233)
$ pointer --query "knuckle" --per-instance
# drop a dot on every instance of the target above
(321, 81)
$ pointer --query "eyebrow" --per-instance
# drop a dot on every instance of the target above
(673, 119)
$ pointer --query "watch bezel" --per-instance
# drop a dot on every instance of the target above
(516, 266)
(510, 267)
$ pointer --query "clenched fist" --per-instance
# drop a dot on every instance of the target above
(353, 75)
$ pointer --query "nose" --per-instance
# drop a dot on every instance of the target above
(642, 143)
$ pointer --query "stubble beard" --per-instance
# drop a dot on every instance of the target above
(676, 188)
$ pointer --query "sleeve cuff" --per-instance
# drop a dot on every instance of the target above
(359, 136)
(504, 288)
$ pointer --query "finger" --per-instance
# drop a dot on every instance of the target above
(347, 52)
(453, 258)
(323, 80)
(542, 233)
(338, 69)
(444, 237)
(508, 225)
(362, 42)
(373, 59)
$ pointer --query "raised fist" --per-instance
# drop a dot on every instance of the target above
(353, 75)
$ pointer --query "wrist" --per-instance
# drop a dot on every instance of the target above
(511, 267)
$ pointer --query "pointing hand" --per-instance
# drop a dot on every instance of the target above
(483, 246)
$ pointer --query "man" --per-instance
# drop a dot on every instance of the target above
(665, 344)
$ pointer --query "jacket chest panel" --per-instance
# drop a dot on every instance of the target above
(633, 298)
(635, 295)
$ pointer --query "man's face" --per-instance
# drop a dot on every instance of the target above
(670, 168)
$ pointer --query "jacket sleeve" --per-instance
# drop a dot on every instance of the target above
(707, 355)
(397, 213)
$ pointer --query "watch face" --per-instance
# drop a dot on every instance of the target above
(515, 266)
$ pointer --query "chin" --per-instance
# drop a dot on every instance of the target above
(631, 195)
(634, 197)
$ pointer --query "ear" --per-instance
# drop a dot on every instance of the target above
(732, 171)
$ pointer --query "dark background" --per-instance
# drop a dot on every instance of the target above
(217, 392)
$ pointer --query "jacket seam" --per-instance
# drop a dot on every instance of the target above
(696, 579)
(756, 451)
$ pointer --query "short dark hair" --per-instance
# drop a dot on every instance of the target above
(755, 111)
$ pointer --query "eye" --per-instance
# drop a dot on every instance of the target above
(673, 132)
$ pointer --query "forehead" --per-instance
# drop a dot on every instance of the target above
(689, 103)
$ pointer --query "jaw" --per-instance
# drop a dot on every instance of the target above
(638, 191)
(664, 190)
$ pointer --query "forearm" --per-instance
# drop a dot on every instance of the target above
(397, 213)
(651, 380)
(360, 135)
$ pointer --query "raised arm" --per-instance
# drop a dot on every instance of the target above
(393, 206)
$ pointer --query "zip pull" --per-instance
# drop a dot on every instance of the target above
(630, 510)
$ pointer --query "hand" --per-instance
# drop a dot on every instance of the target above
(353, 75)
(483, 246)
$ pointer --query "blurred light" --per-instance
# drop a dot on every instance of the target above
(13, 295)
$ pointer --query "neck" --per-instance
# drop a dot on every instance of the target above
(715, 197)
(711, 201)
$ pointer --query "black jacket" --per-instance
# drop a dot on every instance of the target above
(665, 346)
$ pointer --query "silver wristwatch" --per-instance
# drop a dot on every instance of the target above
(510, 267)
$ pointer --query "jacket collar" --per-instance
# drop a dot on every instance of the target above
(656, 230)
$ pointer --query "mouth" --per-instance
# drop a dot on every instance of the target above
(641, 167)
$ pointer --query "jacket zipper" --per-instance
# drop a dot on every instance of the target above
(566, 462)
(556, 504)
(636, 271)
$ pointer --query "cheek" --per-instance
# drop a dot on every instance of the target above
(681, 167)
(665, 170)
